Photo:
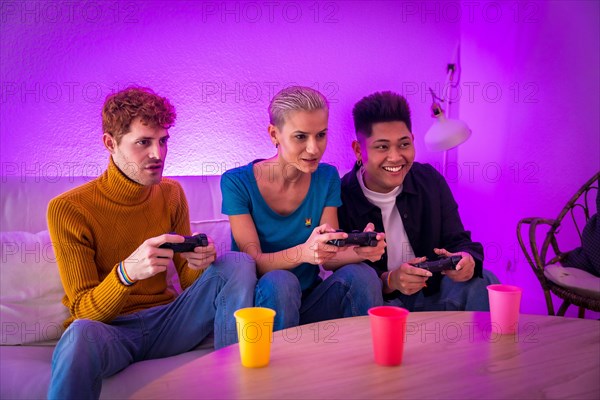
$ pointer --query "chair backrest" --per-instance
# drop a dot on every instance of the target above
(569, 223)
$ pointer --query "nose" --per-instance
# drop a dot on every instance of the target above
(311, 146)
(394, 155)
(155, 151)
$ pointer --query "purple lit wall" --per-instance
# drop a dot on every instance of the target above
(529, 89)
(535, 120)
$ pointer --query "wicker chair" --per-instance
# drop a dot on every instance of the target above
(578, 208)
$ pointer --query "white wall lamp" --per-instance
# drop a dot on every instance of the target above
(445, 133)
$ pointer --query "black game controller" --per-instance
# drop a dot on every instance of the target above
(361, 239)
(443, 264)
(190, 243)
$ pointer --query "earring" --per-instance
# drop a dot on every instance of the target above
(359, 163)
(276, 145)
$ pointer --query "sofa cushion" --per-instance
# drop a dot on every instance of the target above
(577, 280)
(30, 289)
(24, 199)
(25, 372)
(31, 308)
(218, 230)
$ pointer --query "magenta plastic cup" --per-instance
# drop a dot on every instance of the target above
(388, 330)
(505, 304)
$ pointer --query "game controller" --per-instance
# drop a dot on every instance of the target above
(443, 264)
(362, 239)
(190, 243)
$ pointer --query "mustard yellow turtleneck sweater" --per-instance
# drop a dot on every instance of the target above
(96, 225)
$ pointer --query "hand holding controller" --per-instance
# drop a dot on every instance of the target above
(361, 239)
(443, 264)
(190, 243)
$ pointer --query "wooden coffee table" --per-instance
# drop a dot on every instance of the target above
(447, 355)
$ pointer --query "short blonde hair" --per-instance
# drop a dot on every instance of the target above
(295, 98)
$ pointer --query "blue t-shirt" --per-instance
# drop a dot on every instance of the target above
(277, 232)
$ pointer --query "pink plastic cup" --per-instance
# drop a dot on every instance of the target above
(388, 329)
(505, 303)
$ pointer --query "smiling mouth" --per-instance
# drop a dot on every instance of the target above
(393, 169)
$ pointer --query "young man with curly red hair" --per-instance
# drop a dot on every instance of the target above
(107, 233)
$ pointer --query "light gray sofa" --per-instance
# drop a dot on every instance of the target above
(31, 313)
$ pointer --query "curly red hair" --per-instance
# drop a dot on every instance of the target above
(122, 108)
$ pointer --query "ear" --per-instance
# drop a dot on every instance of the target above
(357, 150)
(273, 132)
(109, 142)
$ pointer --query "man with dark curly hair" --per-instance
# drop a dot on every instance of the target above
(107, 235)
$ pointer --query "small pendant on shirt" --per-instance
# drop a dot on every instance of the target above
(307, 222)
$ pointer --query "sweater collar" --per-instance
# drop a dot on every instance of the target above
(119, 188)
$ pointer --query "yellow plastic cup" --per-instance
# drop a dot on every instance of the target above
(255, 333)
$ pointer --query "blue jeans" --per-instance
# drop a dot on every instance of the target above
(89, 351)
(350, 291)
(471, 295)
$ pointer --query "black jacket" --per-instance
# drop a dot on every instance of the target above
(587, 256)
(429, 214)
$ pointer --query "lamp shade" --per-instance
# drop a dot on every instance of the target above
(445, 133)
